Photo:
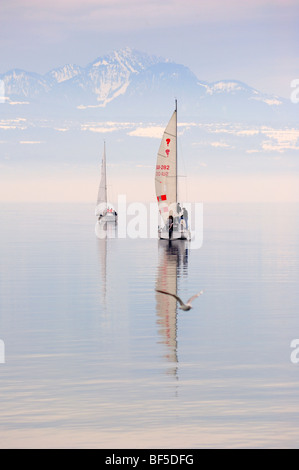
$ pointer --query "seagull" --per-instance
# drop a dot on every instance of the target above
(184, 306)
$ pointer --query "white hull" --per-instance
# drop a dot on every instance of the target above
(176, 234)
(108, 218)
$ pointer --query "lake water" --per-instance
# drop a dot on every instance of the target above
(94, 357)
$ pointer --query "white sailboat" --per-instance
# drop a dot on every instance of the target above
(103, 211)
(174, 218)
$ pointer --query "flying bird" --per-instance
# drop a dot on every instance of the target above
(184, 306)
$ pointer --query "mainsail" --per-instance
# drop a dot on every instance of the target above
(102, 194)
(166, 170)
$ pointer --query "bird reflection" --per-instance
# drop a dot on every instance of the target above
(173, 264)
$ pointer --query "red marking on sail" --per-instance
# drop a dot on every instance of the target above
(168, 142)
(162, 197)
(167, 152)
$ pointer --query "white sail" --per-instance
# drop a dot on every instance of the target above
(166, 186)
(166, 170)
(102, 193)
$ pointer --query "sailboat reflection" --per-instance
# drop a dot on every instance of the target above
(173, 264)
(104, 231)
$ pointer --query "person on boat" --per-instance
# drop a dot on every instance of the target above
(178, 213)
(185, 217)
(170, 224)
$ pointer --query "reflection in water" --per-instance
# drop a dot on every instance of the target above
(80, 375)
(104, 231)
(173, 263)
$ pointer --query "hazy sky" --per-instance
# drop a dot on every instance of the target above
(255, 41)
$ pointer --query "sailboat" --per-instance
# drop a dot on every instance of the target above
(103, 211)
(174, 218)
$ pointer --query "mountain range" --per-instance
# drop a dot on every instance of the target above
(131, 84)
(126, 98)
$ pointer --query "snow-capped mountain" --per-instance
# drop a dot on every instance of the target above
(22, 84)
(127, 97)
(132, 83)
(61, 74)
(99, 82)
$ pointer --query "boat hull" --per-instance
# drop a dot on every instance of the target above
(108, 218)
(180, 234)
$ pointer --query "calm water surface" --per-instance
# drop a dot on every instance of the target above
(94, 357)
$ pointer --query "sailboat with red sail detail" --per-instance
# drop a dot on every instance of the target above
(175, 219)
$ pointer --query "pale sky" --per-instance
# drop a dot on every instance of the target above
(255, 41)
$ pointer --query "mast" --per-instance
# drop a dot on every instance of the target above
(176, 156)
(105, 174)
(102, 192)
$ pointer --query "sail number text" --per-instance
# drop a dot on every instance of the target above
(162, 167)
